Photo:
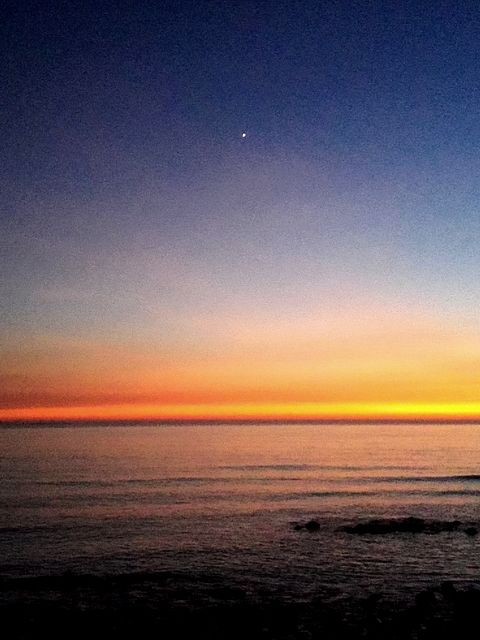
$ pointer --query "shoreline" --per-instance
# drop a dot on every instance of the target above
(142, 604)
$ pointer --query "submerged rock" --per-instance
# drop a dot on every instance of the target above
(311, 525)
(383, 526)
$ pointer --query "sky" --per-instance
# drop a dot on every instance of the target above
(157, 263)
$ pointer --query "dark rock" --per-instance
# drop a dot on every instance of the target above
(425, 599)
(382, 526)
(225, 593)
(312, 525)
(371, 603)
(471, 531)
(438, 526)
(402, 525)
(447, 589)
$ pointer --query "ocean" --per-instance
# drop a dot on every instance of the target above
(223, 500)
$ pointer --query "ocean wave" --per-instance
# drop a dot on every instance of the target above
(214, 480)
(316, 467)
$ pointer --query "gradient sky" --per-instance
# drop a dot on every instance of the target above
(154, 263)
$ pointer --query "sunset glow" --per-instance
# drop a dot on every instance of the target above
(299, 411)
(365, 363)
(319, 258)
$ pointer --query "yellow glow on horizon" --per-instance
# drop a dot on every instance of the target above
(360, 363)
(249, 411)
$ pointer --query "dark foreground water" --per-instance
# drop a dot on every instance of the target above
(216, 505)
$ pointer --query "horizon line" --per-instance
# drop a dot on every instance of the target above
(238, 421)
(250, 412)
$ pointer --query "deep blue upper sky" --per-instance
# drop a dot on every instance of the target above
(100, 92)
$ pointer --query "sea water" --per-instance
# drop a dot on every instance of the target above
(223, 499)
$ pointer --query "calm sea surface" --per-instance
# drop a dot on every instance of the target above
(222, 499)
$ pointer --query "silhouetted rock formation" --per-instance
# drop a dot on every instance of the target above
(311, 525)
(384, 526)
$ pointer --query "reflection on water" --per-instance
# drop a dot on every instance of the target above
(223, 499)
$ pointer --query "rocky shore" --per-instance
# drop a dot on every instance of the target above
(383, 526)
(167, 605)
